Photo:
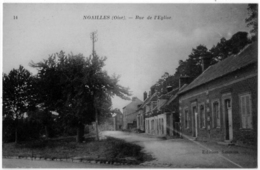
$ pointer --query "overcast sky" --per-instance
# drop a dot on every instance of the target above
(140, 51)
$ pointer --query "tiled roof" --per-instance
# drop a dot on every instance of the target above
(230, 64)
(148, 99)
(132, 107)
(169, 94)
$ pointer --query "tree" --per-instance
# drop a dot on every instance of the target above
(226, 48)
(19, 95)
(44, 119)
(192, 66)
(80, 85)
(252, 20)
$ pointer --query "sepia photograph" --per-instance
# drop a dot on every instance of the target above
(130, 85)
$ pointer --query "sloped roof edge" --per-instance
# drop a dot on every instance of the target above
(233, 63)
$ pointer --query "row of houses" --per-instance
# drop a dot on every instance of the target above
(219, 105)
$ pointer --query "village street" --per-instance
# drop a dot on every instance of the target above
(184, 153)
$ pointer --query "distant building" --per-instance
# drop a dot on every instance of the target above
(130, 114)
(160, 109)
(221, 104)
(118, 120)
(161, 113)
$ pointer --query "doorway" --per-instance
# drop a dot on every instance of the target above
(227, 114)
(195, 127)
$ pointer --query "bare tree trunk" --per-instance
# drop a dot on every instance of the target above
(97, 135)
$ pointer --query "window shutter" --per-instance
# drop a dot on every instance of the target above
(201, 119)
(249, 111)
(203, 115)
(242, 108)
(184, 118)
(189, 119)
(218, 114)
(213, 115)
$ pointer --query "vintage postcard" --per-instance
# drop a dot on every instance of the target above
(130, 85)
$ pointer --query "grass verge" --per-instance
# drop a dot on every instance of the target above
(109, 148)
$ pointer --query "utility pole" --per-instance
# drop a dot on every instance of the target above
(93, 37)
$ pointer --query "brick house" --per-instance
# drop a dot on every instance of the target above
(130, 114)
(221, 103)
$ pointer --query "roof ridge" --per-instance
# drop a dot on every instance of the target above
(230, 64)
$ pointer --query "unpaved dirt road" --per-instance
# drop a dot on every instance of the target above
(183, 153)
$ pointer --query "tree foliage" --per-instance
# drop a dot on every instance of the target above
(77, 86)
(252, 20)
(19, 96)
(226, 48)
(18, 92)
(191, 67)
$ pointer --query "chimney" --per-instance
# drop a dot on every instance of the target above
(184, 80)
(169, 88)
(145, 95)
(205, 63)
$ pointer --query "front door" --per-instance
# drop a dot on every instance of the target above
(196, 124)
(228, 120)
(195, 115)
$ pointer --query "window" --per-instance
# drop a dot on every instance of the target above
(246, 111)
(152, 126)
(186, 118)
(215, 114)
(202, 116)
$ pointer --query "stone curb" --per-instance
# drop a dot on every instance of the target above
(78, 159)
